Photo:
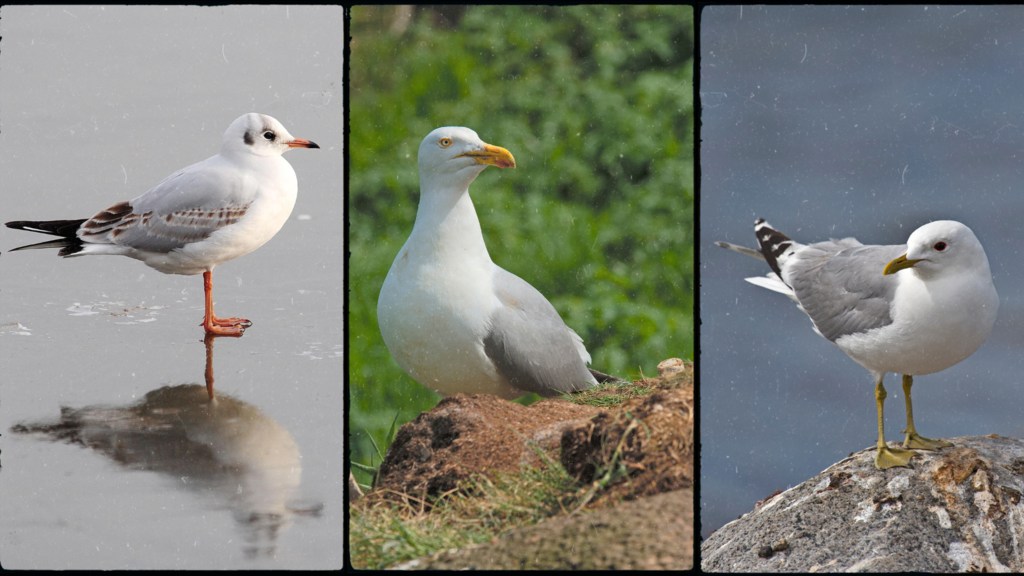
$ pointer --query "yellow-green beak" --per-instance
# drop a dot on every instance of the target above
(493, 156)
(898, 264)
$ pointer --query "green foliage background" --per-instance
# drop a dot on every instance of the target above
(596, 105)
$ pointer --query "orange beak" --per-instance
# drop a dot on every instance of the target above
(300, 143)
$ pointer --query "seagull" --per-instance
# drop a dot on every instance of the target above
(910, 309)
(204, 215)
(454, 320)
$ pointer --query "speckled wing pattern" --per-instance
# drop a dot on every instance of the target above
(189, 213)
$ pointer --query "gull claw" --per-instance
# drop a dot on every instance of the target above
(226, 326)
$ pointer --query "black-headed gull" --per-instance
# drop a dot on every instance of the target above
(204, 215)
(454, 320)
(911, 309)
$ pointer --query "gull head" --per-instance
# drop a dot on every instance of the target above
(260, 135)
(452, 157)
(939, 248)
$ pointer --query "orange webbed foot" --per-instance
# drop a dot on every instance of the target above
(225, 326)
(233, 321)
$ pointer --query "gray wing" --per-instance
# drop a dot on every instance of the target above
(840, 285)
(187, 206)
(530, 345)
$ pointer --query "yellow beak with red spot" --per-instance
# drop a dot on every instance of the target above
(492, 156)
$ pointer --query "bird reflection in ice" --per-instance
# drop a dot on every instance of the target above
(221, 447)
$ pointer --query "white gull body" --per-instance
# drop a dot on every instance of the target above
(917, 322)
(199, 217)
(455, 321)
(913, 310)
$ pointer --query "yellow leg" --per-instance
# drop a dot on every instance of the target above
(886, 457)
(913, 439)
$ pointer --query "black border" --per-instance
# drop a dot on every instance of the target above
(697, 539)
(347, 31)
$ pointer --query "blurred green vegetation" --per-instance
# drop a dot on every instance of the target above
(596, 104)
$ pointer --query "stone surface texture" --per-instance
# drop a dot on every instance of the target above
(956, 510)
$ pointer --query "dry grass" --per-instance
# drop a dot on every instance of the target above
(384, 530)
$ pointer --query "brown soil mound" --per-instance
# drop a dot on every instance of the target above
(643, 435)
(646, 442)
(650, 534)
(467, 434)
(641, 448)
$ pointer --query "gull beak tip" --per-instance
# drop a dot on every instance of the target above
(492, 156)
(898, 264)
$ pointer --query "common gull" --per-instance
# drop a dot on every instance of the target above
(913, 309)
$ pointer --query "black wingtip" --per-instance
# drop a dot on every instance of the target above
(772, 242)
(68, 246)
(62, 228)
(603, 378)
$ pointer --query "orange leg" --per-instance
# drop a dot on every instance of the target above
(220, 326)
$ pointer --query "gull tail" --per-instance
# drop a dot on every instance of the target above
(775, 249)
(775, 246)
(69, 243)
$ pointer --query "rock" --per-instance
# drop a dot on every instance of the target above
(958, 509)
(671, 366)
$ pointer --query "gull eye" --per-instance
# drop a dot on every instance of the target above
(445, 142)
(939, 246)
(268, 135)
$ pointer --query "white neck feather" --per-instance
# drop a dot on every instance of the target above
(448, 224)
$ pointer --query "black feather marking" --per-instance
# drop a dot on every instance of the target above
(74, 247)
(248, 138)
(603, 378)
(63, 228)
(773, 244)
(68, 246)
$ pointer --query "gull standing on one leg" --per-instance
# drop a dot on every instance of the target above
(199, 217)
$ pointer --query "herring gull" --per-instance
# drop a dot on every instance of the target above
(913, 310)
(452, 319)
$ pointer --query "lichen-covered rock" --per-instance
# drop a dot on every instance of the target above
(958, 509)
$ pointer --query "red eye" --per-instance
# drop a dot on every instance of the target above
(940, 246)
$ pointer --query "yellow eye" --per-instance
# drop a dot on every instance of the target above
(445, 142)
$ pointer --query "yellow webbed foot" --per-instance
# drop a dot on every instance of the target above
(886, 457)
(915, 441)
